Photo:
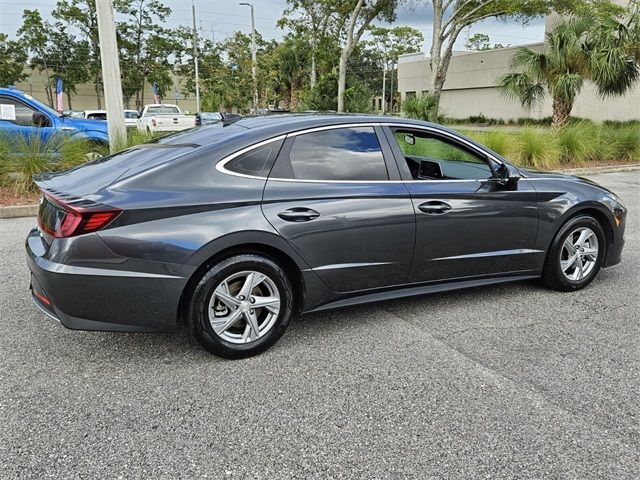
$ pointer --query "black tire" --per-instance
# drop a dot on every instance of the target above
(552, 275)
(198, 308)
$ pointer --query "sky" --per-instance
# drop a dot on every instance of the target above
(220, 18)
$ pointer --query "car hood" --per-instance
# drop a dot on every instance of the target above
(84, 125)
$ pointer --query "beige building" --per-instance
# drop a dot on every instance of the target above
(470, 88)
(85, 98)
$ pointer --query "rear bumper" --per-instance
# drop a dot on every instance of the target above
(120, 295)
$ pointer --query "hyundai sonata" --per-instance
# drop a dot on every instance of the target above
(239, 228)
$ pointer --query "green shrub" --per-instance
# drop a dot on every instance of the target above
(420, 108)
(578, 142)
(621, 143)
(538, 149)
(499, 142)
(324, 96)
(21, 158)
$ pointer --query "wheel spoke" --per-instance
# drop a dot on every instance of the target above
(222, 324)
(252, 321)
(569, 245)
(271, 303)
(565, 264)
(592, 253)
(222, 292)
(584, 235)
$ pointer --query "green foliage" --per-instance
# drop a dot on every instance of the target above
(578, 144)
(13, 57)
(423, 107)
(22, 157)
(145, 47)
(603, 49)
(499, 142)
(324, 97)
(480, 42)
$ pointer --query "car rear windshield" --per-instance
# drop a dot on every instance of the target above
(163, 110)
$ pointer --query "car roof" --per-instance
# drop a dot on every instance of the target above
(289, 122)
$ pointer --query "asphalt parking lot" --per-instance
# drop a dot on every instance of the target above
(509, 381)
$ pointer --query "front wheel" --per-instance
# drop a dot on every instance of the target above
(241, 306)
(576, 254)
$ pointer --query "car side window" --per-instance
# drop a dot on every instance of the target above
(432, 158)
(351, 153)
(23, 113)
(256, 162)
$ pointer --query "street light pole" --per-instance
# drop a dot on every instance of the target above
(254, 73)
(195, 55)
(110, 63)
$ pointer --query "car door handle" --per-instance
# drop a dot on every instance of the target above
(434, 207)
(298, 214)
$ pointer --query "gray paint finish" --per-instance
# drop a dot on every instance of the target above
(369, 240)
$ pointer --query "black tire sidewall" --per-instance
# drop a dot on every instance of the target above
(199, 304)
(554, 272)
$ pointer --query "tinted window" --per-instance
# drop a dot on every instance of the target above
(338, 154)
(257, 162)
(18, 112)
(164, 109)
(432, 158)
(128, 114)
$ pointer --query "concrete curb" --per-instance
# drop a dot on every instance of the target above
(597, 170)
(16, 211)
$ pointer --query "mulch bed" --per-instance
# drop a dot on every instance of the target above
(8, 197)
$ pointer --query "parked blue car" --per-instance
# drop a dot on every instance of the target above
(23, 115)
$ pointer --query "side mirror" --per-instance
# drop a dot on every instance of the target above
(507, 175)
(40, 119)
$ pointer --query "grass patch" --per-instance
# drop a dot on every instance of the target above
(22, 157)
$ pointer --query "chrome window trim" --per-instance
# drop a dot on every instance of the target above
(221, 164)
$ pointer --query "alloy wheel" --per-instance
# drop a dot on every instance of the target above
(579, 254)
(244, 307)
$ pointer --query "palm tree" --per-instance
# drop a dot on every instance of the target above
(606, 52)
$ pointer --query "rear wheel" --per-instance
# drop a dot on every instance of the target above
(241, 306)
(576, 254)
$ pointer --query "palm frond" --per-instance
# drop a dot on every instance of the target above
(522, 87)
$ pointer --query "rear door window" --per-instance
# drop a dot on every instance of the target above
(345, 154)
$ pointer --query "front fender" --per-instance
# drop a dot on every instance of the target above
(92, 136)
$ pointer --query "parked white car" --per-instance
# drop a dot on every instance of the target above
(164, 118)
(94, 115)
(131, 118)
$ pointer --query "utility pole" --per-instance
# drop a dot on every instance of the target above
(384, 84)
(110, 62)
(195, 55)
(254, 67)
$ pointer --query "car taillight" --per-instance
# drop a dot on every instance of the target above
(61, 220)
(153, 122)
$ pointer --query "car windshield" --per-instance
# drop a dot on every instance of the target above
(43, 106)
(210, 116)
(163, 109)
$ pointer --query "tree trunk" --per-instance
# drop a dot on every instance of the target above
(561, 112)
(346, 53)
(69, 101)
(313, 69)
(98, 100)
(342, 80)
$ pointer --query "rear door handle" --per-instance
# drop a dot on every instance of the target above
(299, 214)
(434, 207)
